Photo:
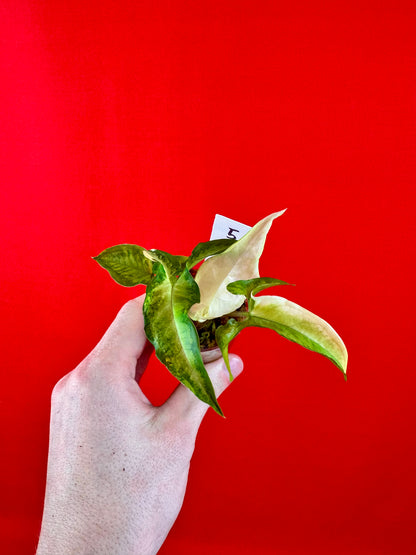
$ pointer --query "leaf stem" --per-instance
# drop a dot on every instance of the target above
(242, 315)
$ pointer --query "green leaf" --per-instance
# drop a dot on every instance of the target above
(209, 248)
(290, 321)
(171, 331)
(173, 263)
(239, 261)
(224, 335)
(126, 264)
(249, 287)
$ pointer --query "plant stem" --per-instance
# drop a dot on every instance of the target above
(238, 314)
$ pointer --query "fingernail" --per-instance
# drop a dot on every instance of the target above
(236, 365)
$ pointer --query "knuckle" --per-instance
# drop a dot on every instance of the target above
(59, 388)
(70, 383)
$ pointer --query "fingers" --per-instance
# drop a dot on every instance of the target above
(184, 402)
(120, 349)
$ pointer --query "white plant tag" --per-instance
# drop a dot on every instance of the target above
(226, 228)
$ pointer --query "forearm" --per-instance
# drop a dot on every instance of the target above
(88, 534)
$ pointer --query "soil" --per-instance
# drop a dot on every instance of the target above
(206, 330)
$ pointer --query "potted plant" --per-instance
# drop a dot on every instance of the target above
(188, 310)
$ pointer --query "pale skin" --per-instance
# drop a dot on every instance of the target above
(117, 465)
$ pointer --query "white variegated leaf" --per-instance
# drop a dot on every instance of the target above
(239, 262)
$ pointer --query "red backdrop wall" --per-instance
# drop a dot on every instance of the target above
(136, 122)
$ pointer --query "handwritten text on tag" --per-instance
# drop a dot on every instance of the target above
(226, 228)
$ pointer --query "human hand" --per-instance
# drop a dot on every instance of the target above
(117, 465)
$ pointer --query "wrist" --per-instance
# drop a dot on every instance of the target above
(92, 535)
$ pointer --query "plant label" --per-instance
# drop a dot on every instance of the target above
(226, 228)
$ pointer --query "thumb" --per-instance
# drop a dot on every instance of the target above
(183, 403)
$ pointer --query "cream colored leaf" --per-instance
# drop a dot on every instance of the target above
(300, 325)
(240, 261)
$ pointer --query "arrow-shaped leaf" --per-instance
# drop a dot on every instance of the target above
(300, 325)
(250, 287)
(174, 264)
(209, 248)
(126, 264)
(171, 331)
(239, 262)
(290, 321)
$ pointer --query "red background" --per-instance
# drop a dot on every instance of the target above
(129, 121)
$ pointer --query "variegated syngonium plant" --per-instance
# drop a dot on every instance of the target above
(182, 306)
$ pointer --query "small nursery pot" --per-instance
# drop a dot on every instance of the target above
(209, 355)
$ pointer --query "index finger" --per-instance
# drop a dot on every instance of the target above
(123, 343)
